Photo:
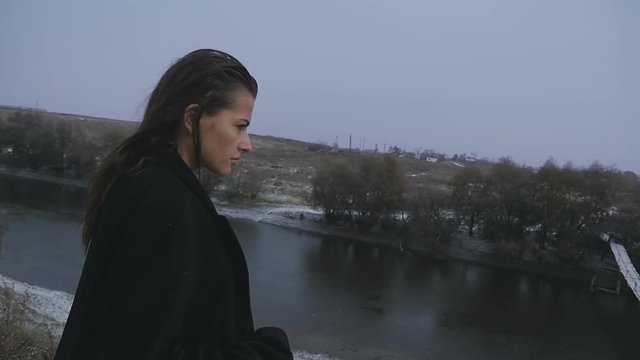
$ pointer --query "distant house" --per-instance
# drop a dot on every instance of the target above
(431, 156)
(470, 158)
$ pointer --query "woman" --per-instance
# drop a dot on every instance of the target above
(164, 275)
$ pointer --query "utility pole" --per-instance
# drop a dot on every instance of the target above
(349, 142)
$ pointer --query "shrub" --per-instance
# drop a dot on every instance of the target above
(243, 183)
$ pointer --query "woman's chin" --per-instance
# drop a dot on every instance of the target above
(223, 172)
(220, 171)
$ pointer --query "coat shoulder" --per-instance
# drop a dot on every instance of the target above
(157, 185)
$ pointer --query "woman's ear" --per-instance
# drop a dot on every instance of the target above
(189, 113)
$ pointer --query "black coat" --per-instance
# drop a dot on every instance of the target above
(164, 278)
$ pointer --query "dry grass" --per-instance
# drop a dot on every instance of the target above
(20, 339)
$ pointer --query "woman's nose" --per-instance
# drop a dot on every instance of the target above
(245, 144)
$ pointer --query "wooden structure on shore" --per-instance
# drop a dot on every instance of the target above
(609, 274)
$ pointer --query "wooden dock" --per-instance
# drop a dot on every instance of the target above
(627, 269)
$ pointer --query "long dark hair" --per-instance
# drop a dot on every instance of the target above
(207, 78)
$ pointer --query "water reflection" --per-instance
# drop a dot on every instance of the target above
(356, 265)
(41, 194)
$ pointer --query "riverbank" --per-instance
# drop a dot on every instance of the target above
(462, 248)
(27, 174)
(287, 212)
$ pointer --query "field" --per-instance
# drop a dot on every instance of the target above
(285, 166)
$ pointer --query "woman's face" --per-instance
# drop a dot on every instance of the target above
(224, 136)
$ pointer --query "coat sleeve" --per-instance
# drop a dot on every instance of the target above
(149, 289)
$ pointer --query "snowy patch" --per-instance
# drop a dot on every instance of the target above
(303, 355)
(253, 214)
(47, 307)
(295, 216)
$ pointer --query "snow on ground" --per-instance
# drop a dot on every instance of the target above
(303, 355)
(295, 216)
(47, 307)
(50, 308)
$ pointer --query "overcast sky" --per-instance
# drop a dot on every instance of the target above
(528, 79)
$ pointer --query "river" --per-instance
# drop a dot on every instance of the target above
(356, 300)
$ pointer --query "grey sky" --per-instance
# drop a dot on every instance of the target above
(529, 79)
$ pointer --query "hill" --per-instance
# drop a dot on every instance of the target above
(284, 166)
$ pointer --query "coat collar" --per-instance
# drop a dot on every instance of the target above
(177, 166)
